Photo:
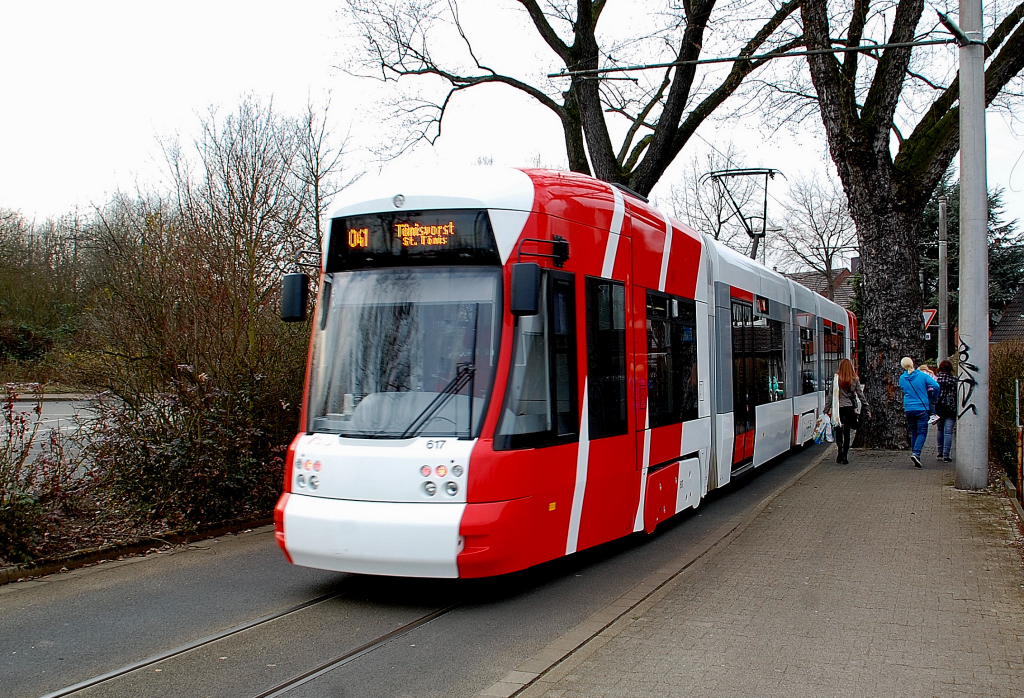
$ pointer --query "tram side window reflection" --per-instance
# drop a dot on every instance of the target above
(606, 357)
(742, 366)
(769, 360)
(833, 351)
(671, 359)
(540, 403)
(808, 355)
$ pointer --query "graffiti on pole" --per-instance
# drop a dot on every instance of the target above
(968, 382)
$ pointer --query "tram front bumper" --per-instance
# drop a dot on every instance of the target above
(389, 538)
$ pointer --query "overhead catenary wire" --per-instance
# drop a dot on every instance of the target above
(600, 72)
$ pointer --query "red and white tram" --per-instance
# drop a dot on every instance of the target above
(508, 366)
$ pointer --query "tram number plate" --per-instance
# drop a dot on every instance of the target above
(435, 444)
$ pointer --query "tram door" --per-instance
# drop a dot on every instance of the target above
(607, 511)
(744, 399)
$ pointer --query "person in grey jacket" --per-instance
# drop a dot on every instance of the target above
(848, 398)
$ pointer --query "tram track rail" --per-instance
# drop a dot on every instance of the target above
(286, 686)
(280, 688)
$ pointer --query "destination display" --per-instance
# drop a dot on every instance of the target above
(411, 238)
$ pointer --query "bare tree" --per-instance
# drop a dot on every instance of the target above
(322, 172)
(705, 204)
(652, 114)
(818, 230)
(891, 119)
(41, 291)
(193, 277)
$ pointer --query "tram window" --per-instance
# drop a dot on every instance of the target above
(606, 357)
(540, 403)
(769, 360)
(671, 359)
(759, 362)
(808, 362)
(833, 350)
(563, 352)
(743, 367)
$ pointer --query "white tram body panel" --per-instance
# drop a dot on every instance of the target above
(398, 539)
(360, 505)
(445, 435)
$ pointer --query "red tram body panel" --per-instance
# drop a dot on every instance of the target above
(445, 435)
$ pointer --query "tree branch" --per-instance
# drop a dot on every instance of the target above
(544, 28)
(646, 173)
(640, 120)
(854, 36)
(925, 155)
(887, 85)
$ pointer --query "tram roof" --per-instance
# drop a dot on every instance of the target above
(559, 193)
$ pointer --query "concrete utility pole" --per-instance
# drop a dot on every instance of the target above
(972, 425)
(943, 350)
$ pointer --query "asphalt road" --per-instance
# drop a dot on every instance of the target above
(56, 414)
(67, 628)
(61, 415)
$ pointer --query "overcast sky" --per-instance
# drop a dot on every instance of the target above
(88, 88)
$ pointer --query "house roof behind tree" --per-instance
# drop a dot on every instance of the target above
(817, 282)
(1011, 325)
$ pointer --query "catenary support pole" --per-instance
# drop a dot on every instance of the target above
(972, 424)
(943, 345)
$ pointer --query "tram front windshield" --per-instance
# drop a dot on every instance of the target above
(405, 352)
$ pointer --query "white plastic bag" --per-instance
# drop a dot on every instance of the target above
(820, 427)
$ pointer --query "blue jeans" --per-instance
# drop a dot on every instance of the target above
(917, 430)
(945, 431)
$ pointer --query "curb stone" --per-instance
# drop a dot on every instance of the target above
(533, 677)
(81, 558)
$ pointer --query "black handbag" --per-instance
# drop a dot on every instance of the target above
(857, 419)
(859, 409)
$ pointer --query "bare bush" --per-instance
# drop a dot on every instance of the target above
(206, 381)
(192, 454)
(39, 485)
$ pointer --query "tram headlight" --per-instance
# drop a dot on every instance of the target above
(457, 470)
(301, 480)
(442, 471)
(425, 471)
(451, 488)
(430, 488)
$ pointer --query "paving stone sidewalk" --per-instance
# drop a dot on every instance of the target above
(868, 579)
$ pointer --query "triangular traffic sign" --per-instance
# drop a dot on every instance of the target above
(929, 315)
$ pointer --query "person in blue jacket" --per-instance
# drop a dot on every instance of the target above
(919, 393)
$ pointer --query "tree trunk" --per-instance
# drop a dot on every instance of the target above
(891, 326)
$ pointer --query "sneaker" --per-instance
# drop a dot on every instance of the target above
(938, 456)
(947, 459)
(917, 461)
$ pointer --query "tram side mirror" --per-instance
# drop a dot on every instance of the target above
(294, 297)
(525, 289)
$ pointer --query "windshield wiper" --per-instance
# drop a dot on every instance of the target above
(463, 375)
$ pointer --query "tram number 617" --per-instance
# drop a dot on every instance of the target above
(435, 444)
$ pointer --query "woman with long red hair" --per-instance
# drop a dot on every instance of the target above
(848, 405)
